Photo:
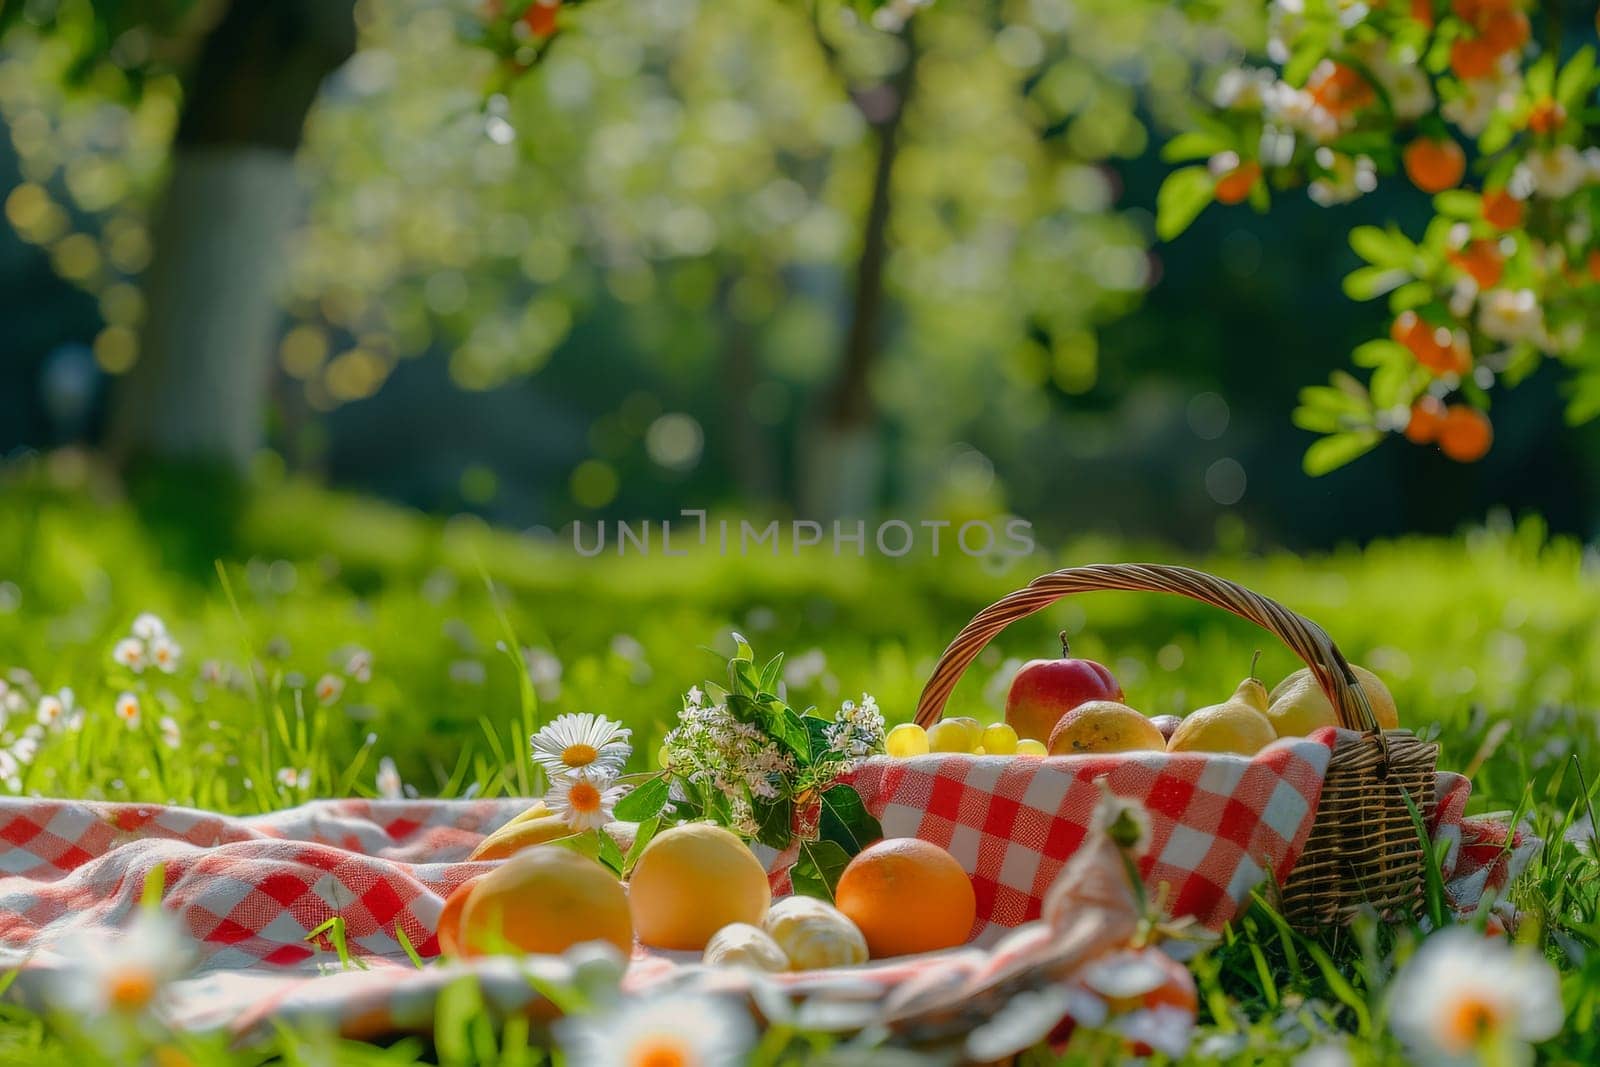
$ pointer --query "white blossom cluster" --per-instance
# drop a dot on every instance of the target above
(712, 749)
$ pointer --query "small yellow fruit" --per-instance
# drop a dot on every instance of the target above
(1299, 706)
(907, 739)
(814, 934)
(691, 881)
(1029, 747)
(1105, 726)
(973, 727)
(950, 736)
(746, 946)
(999, 739)
(1230, 727)
(545, 900)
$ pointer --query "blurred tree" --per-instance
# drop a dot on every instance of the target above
(778, 213)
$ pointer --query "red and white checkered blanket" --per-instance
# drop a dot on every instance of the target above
(249, 891)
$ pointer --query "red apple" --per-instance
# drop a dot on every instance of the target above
(1046, 689)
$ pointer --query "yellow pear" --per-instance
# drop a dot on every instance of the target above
(1299, 706)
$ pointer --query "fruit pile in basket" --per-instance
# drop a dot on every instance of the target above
(1069, 706)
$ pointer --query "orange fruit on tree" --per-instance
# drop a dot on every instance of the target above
(1504, 31)
(1502, 210)
(1235, 185)
(1472, 57)
(1427, 415)
(1436, 348)
(907, 895)
(691, 881)
(1482, 260)
(1465, 434)
(545, 900)
(1340, 88)
(1546, 116)
(1594, 264)
(540, 17)
(1422, 11)
(1434, 165)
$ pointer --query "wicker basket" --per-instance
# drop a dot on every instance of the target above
(1363, 851)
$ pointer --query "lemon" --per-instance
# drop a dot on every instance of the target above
(999, 739)
(907, 739)
(950, 736)
(1029, 747)
(691, 881)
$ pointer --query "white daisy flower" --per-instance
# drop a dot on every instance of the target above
(127, 708)
(676, 1028)
(171, 734)
(25, 749)
(290, 778)
(582, 744)
(164, 653)
(148, 627)
(390, 787)
(55, 709)
(1466, 998)
(359, 666)
(584, 802)
(329, 688)
(130, 653)
(124, 974)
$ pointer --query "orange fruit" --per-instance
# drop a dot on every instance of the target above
(1422, 11)
(1465, 434)
(907, 895)
(1340, 88)
(691, 881)
(1502, 210)
(1426, 416)
(1436, 348)
(1594, 264)
(1434, 166)
(1504, 31)
(1235, 185)
(1472, 57)
(1546, 116)
(540, 18)
(450, 917)
(1105, 726)
(545, 900)
(1482, 260)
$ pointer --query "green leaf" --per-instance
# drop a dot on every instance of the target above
(817, 870)
(846, 820)
(641, 837)
(1365, 283)
(775, 822)
(1381, 248)
(789, 728)
(1541, 80)
(1333, 452)
(1182, 197)
(1458, 204)
(644, 802)
(609, 854)
(817, 729)
(1576, 78)
(1584, 402)
(771, 673)
(1380, 352)
(1410, 295)
(1195, 144)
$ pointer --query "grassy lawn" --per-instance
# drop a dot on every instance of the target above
(1495, 626)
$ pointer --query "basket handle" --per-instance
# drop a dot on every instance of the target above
(1303, 637)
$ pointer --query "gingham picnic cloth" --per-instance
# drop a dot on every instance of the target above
(249, 891)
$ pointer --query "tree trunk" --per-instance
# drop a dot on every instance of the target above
(843, 458)
(198, 392)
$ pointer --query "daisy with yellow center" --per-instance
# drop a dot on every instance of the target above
(124, 974)
(673, 1030)
(1468, 998)
(128, 709)
(582, 744)
(584, 801)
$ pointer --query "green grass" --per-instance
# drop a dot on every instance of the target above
(278, 587)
